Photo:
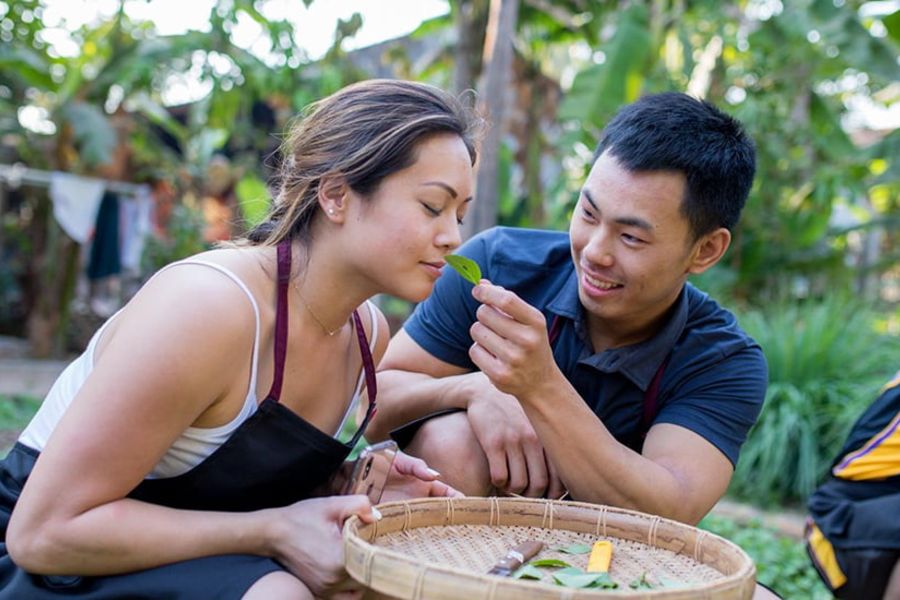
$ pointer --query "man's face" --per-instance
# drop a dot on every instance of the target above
(632, 249)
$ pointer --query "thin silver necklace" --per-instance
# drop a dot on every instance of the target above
(313, 314)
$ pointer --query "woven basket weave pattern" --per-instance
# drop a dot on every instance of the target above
(442, 549)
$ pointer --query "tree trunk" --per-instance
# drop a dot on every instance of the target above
(463, 78)
(498, 54)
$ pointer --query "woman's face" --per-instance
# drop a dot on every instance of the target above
(401, 232)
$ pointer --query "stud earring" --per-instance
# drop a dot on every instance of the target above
(330, 211)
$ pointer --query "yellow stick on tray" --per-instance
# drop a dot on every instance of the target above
(601, 555)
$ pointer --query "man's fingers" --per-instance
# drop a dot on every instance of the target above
(499, 471)
(507, 302)
(555, 487)
(518, 472)
(537, 472)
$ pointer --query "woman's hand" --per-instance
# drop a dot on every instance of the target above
(308, 542)
(410, 478)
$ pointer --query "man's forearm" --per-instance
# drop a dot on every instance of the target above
(404, 396)
(595, 467)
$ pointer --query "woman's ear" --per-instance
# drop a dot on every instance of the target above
(709, 249)
(332, 198)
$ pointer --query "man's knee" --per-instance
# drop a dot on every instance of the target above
(449, 445)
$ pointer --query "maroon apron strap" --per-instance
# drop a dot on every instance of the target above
(281, 317)
(555, 326)
(650, 399)
(369, 368)
(650, 396)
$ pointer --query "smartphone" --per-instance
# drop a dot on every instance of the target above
(371, 470)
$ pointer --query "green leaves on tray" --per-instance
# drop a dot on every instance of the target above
(575, 549)
(568, 576)
(466, 267)
(576, 578)
(528, 571)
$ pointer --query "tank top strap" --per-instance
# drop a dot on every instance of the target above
(240, 283)
(281, 318)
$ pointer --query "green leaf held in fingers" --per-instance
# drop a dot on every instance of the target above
(466, 267)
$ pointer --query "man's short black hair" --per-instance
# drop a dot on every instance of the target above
(673, 131)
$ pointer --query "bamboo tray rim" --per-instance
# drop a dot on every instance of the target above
(351, 536)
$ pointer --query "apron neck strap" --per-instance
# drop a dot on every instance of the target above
(369, 368)
(281, 317)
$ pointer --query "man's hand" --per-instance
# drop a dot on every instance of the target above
(515, 455)
(511, 344)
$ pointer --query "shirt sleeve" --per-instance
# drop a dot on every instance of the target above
(440, 324)
(723, 403)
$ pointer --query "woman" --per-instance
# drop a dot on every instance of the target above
(152, 468)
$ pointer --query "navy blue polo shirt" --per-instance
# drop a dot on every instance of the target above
(715, 380)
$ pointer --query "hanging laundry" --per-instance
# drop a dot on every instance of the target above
(136, 225)
(105, 259)
(76, 202)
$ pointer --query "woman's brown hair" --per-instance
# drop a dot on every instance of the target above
(361, 134)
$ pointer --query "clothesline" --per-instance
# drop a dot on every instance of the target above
(18, 174)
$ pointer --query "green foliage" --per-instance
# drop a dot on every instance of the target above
(826, 363)
(781, 563)
(183, 238)
(16, 411)
(253, 199)
(601, 88)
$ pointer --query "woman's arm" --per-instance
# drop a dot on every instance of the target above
(177, 351)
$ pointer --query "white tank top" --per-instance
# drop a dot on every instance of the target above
(194, 444)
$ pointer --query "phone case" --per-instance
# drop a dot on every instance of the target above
(371, 470)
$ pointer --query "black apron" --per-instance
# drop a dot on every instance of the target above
(273, 459)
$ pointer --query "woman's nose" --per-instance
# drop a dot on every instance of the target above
(449, 236)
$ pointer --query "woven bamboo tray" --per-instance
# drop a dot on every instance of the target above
(441, 549)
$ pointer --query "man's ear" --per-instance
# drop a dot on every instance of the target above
(332, 198)
(708, 250)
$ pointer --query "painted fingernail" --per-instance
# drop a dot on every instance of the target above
(376, 513)
(433, 473)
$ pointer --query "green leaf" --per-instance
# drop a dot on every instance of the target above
(575, 549)
(466, 267)
(892, 24)
(527, 572)
(603, 581)
(601, 88)
(576, 578)
(642, 583)
(550, 562)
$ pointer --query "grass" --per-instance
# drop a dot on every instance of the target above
(781, 562)
(16, 411)
(827, 359)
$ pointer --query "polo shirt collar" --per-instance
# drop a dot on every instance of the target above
(638, 362)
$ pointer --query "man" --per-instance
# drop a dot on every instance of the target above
(853, 535)
(583, 362)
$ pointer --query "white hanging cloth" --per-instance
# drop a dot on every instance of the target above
(76, 201)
